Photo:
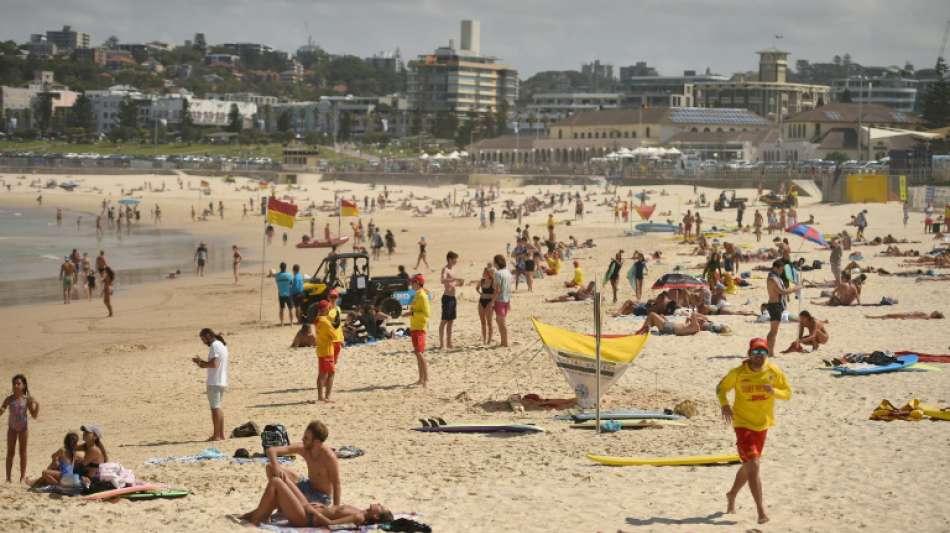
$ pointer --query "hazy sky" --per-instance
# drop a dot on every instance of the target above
(531, 35)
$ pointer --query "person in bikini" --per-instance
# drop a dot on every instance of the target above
(322, 482)
(486, 302)
(916, 315)
(286, 497)
(816, 334)
(584, 293)
(693, 325)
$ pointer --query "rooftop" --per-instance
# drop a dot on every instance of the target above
(667, 115)
(848, 113)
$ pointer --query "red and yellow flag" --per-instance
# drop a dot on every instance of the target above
(349, 209)
(280, 213)
(264, 184)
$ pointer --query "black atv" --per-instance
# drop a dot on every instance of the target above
(356, 289)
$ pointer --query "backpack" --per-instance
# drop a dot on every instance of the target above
(274, 435)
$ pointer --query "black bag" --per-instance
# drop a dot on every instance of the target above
(274, 435)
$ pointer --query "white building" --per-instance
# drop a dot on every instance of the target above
(252, 98)
(890, 90)
(204, 112)
(106, 104)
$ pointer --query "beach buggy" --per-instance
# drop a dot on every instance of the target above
(349, 274)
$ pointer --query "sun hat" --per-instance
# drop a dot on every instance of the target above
(323, 305)
(91, 428)
(419, 278)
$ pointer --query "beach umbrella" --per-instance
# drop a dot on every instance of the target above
(678, 280)
(129, 201)
(673, 151)
(808, 233)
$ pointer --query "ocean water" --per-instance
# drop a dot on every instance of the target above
(32, 248)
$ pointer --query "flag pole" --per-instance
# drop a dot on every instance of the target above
(339, 221)
(260, 305)
(597, 336)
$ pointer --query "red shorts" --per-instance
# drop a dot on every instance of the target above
(327, 365)
(337, 346)
(750, 443)
(502, 308)
(418, 341)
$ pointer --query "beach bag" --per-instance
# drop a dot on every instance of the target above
(274, 435)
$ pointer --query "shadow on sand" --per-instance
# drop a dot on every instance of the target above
(706, 520)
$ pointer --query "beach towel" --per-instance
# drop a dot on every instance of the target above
(282, 526)
(211, 454)
(927, 357)
(886, 412)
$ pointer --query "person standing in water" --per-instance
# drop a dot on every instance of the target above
(108, 278)
(201, 257)
(757, 383)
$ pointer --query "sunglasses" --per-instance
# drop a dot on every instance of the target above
(759, 351)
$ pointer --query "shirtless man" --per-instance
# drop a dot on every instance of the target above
(846, 293)
(687, 225)
(817, 334)
(693, 325)
(777, 291)
(67, 273)
(449, 283)
(581, 294)
(322, 482)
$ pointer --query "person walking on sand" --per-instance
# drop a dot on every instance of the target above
(422, 253)
(236, 262)
(217, 384)
(687, 225)
(322, 482)
(284, 280)
(778, 293)
(419, 311)
(20, 404)
(335, 315)
(613, 272)
(449, 303)
(67, 272)
(502, 297)
(757, 226)
(201, 257)
(757, 383)
(326, 354)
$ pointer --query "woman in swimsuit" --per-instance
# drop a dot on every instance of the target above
(94, 453)
(486, 302)
(286, 497)
(63, 462)
(422, 253)
(20, 404)
(236, 264)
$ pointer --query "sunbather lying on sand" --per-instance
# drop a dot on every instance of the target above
(286, 497)
(575, 296)
(915, 315)
(894, 251)
(693, 325)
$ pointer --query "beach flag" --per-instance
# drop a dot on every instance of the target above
(263, 184)
(349, 209)
(280, 213)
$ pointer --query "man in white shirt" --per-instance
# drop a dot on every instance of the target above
(217, 365)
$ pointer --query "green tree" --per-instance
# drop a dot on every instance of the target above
(43, 111)
(845, 97)
(82, 115)
(417, 122)
(467, 129)
(235, 120)
(501, 121)
(128, 114)
(487, 126)
(346, 127)
(936, 106)
(283, 122)
(837, 157)
(187, 128)
(446, 125)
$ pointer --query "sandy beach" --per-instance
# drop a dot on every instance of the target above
(826, 466)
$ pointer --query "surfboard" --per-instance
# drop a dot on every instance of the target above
(905, 361)
(481, 427)
(115, 493)
(631, 424)
(156, 494)
(655, 227)
(691, 460)
(935, 412)
(621, 415)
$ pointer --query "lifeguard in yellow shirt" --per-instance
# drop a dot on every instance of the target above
(578, 279)
(757, 383)
(418, 324)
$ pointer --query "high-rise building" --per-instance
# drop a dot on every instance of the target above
(67, 39)
(640, 69)
(461, 80)
(889, 89)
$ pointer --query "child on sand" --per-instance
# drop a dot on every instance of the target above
(326, 353)
(756, 383)
(419, 311)
(20, 404)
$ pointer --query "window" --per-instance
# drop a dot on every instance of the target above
(648, 132)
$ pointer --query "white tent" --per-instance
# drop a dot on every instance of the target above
(424, 156)
(884, 133)
(673, 151)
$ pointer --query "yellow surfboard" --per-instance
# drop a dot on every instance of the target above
(664, 461)
(935, 412)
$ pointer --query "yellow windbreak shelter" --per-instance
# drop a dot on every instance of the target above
(866, 188)
(573, 353)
